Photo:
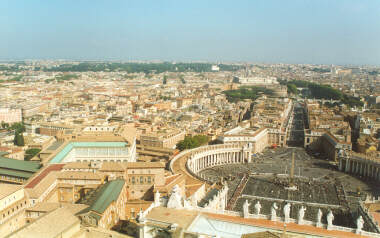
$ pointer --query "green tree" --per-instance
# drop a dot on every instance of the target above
(191, 142)
(182, 78)
(30, 153)
(165, 80)
(18, 127)
(292, 89)
(19, 139)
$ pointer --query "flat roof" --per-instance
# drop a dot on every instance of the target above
(8, 189)
(53, 224)
(63, 153)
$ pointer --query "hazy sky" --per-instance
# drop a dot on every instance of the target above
(283, 31)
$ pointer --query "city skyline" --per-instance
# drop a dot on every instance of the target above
(301, 32)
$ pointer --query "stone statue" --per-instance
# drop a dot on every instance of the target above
(194, 201)
(319, 217)
(273, 211)
(246, 209)
(359, 224)
(287, 212)
(257, 208)
(140, 217)
(301, 214)
(186, 204)
(175, 199)
(330, 218)
(157, 198)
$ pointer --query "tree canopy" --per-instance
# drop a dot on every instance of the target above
(30, 153)
(292, 89)
(191, 142)
(140, 67)
(19, 139)
(18, 127)
(246, 93)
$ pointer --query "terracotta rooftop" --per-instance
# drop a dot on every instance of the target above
(43, 173)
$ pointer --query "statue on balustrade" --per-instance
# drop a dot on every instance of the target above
(319, 217)
(257, 208)
(273, 211)
(301, 214)
(330, 218)
(359, 224)
(287, 212)
(246, 209)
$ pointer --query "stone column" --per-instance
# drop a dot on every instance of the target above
(361, 168)
(357, 167)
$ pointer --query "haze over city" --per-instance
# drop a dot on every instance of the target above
(190, 119)
(300, 31)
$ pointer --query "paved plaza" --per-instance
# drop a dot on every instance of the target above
(278, 161)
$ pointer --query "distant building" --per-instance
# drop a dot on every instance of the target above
(162, 139)
(257, 138)
(9, 115)
(215, 68)
(258, 80)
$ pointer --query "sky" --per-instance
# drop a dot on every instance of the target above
(262, 31)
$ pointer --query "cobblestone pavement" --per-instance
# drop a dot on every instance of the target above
(278, 161)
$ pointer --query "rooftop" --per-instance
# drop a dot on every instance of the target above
(8, 189)
(51, 225)
(19, 165)
(63, 153)
(100, 200)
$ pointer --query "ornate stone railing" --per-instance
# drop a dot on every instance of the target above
(290, 220)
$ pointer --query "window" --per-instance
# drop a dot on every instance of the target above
(149, 179)
(133, 180)
(141, 179)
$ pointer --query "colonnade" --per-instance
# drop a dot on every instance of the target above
(360, 166)
(213, 156)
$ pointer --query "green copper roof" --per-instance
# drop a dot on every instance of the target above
(107, 194)
(13, 173)
(19, 165)
(63, 153)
